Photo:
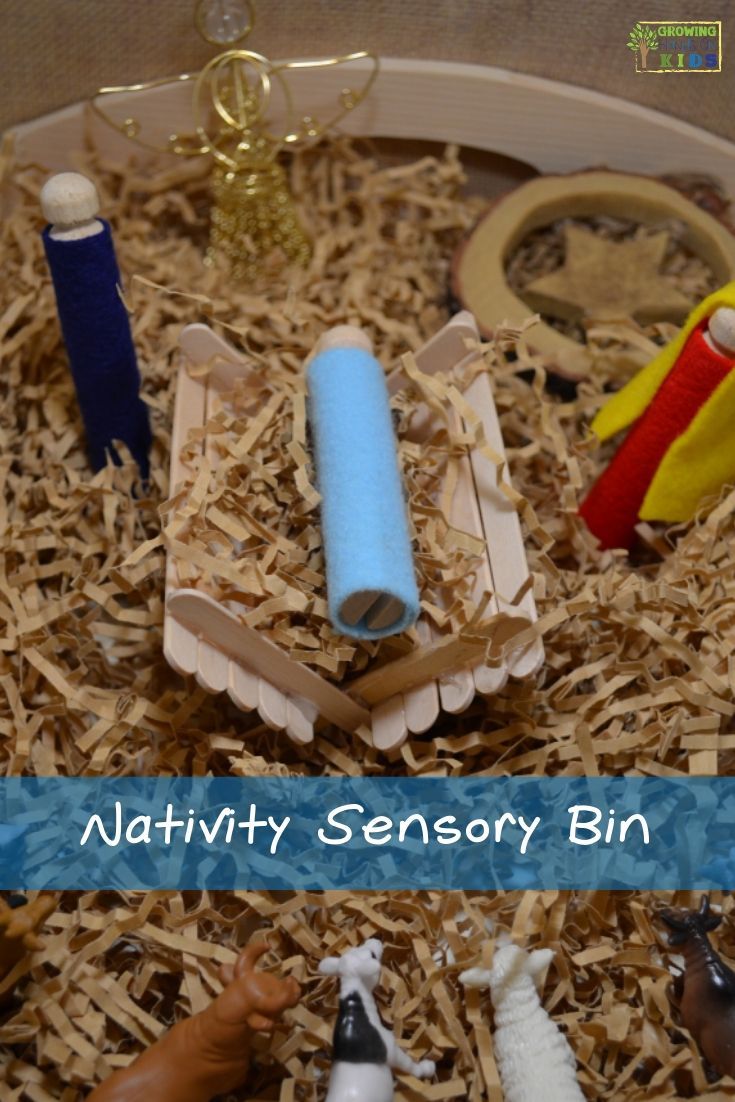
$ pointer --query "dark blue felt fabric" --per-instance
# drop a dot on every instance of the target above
(97, 336)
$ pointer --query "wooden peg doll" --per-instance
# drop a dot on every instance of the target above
(535, 1061)
(209, 1053)
(364, 1050)
(94, 322)
(705, 992)
(680, 448)
(19, 932)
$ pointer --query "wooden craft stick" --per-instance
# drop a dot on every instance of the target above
(379, 609)
(204, 616)
(180, 647)
(242, 685)
(445, 350)
(213, 667)
(421, 665)
(448, 348)
(389, 724)
(301, 716)
(502, 528)
(355, 607)
(506, 551)
(417, 708)
(457, 689)
(421, 704)
(272, 705)
(202, 345)
(386, 610)
(189, 412)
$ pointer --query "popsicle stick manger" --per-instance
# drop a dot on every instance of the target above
(205, 638)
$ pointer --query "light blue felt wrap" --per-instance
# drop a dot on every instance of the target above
(364, 523)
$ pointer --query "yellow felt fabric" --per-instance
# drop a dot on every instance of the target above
(629, 403)
(698, 463)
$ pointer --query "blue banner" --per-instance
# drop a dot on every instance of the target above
(484, 833)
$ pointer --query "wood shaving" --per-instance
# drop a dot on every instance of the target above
(638, 678)
(638, 649)
(119, 969)
(245, 524)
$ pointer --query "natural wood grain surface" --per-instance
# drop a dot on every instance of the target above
(552, 126)
(79, 45)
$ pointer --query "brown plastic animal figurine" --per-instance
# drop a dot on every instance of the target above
(18, 926)
(705, 991)
(209, 1053)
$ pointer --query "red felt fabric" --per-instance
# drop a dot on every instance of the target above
(611, 509)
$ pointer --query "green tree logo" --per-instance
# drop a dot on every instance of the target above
(642, 39)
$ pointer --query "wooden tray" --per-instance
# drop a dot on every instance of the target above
(207, 639)
(551, 126)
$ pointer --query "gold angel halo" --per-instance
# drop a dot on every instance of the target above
(234, 97)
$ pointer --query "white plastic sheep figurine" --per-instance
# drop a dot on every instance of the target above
(364, 1050)
(533, 1056)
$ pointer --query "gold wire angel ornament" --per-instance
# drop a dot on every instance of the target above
(253, 210)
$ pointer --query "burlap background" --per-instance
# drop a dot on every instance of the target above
(54, 52)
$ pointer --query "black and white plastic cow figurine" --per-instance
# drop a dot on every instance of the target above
(364, 1050)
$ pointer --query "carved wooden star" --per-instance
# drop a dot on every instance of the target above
(606, 279)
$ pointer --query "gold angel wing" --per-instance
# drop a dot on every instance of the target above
(241, 108)
(167, 122)
(364, 64)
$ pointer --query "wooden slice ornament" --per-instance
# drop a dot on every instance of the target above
(599, 278)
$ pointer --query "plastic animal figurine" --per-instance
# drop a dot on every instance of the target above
(680, 448)
(18, 931)
(209, 1053)
(705, 992)
(364, 1050)
(535, 1061)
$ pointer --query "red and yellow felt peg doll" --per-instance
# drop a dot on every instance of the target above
(681, 447)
